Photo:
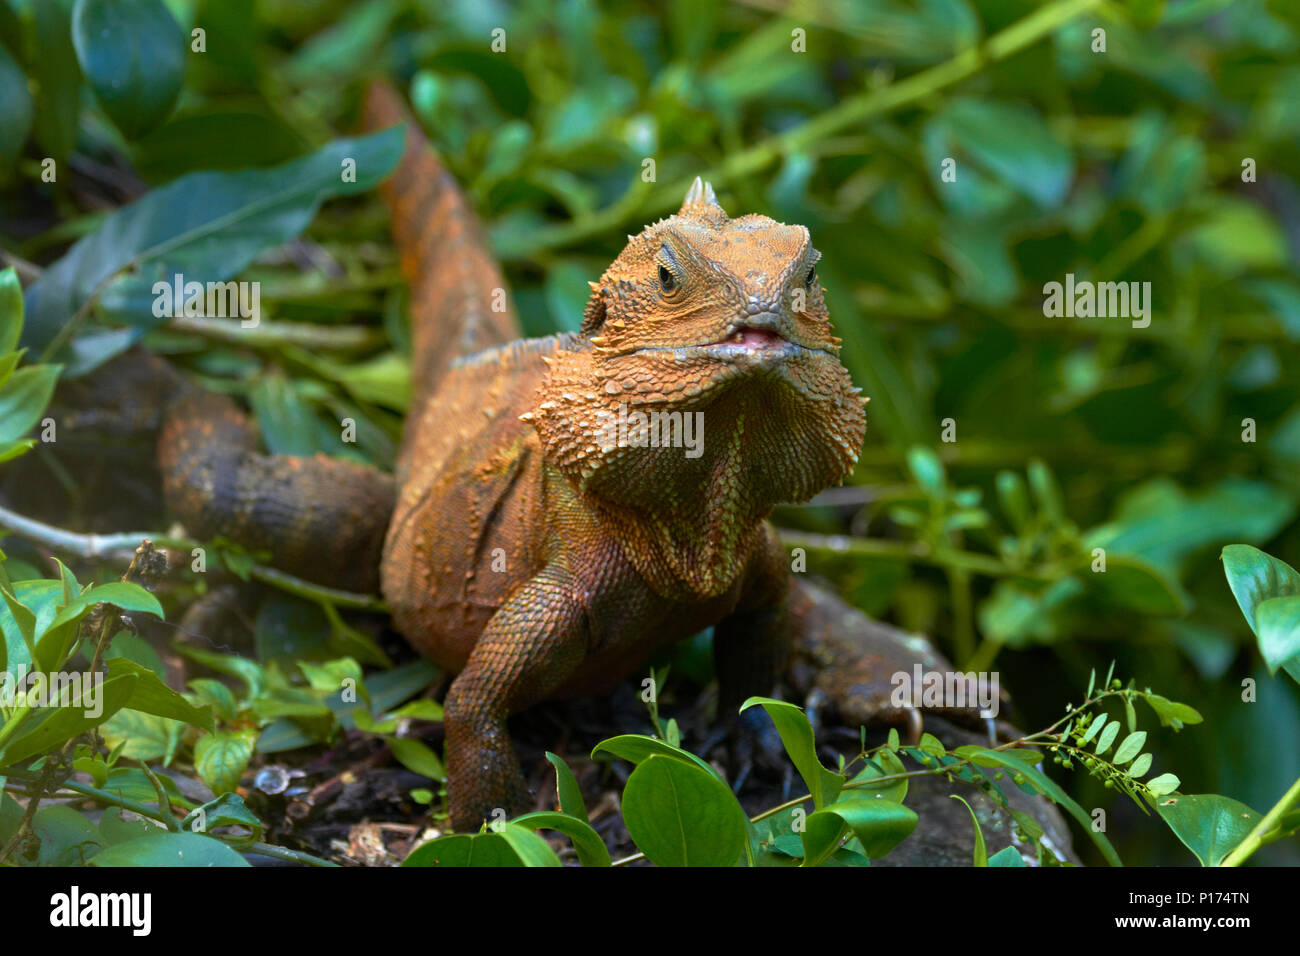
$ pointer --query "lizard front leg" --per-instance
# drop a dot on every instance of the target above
(533, 642)
(750, 647)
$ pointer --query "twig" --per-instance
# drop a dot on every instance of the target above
(123, 544)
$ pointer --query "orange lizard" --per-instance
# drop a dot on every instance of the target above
(537, 539)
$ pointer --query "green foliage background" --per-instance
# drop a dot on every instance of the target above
(1071, 433)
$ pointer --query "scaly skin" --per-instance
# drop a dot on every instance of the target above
(527, 553)
(535, 558)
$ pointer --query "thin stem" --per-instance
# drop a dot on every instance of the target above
(1254, 839)
(124, 544)
(848, 113)
(917, 551)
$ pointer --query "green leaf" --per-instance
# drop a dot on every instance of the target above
(23, 399)
(15, 120)
(927, 471)
(132, 52)
(981, 851)
(1172, 713)
(117, 830)
(1209, 825)
(170, 849)
(152, 696)
(590, 847)
(142, 736)
(1046, 786)
(45, 734)
(248, 671)
(216, 695)
(67, 838)
(680, 815)
(1139, 767)
(1008, 856)
(879, 825)
(58, 79)
(1257, 578)
(1005, 140)
(1130, 747)
(1165, 783)
(206, 226)
(797, 737)
(1107, 737)
(636, 748)
(889, 765)
(225, 811)
(528, 846)
(567, 789)
(417, 757)
(54, 645)
(221, 759)
(462, 849)
(1278, 622)
(1098, 722)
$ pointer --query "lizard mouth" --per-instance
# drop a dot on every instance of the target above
(754, 338)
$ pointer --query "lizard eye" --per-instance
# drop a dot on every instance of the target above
(667, 281)
(810, 278)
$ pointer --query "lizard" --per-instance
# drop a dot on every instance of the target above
(519, 543)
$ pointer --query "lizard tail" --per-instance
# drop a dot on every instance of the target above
(459, 301)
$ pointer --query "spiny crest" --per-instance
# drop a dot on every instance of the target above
(702, 203)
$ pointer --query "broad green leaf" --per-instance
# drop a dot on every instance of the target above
(590, 847)
(67, 838)
(567, 789)
(216, 695)
(152, 696)
(680, 815)
(1008, 141)
(1138, 768)
(1209, 825)
(889, 765)
(248, 671)
(221, 759)
(1257, 578)
(879, 825)
(463, 849)
(23, 399)
(45, 733)
(1007, 856)
(170, 849)
(797, 737)
(132, 53)
(417, 757)
(142, 736)
(115, 829)
(635, 748)
(225, 811)
(206, 226)
(528, 846)
(1278, 623)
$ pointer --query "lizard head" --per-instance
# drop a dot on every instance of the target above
(705, 313)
